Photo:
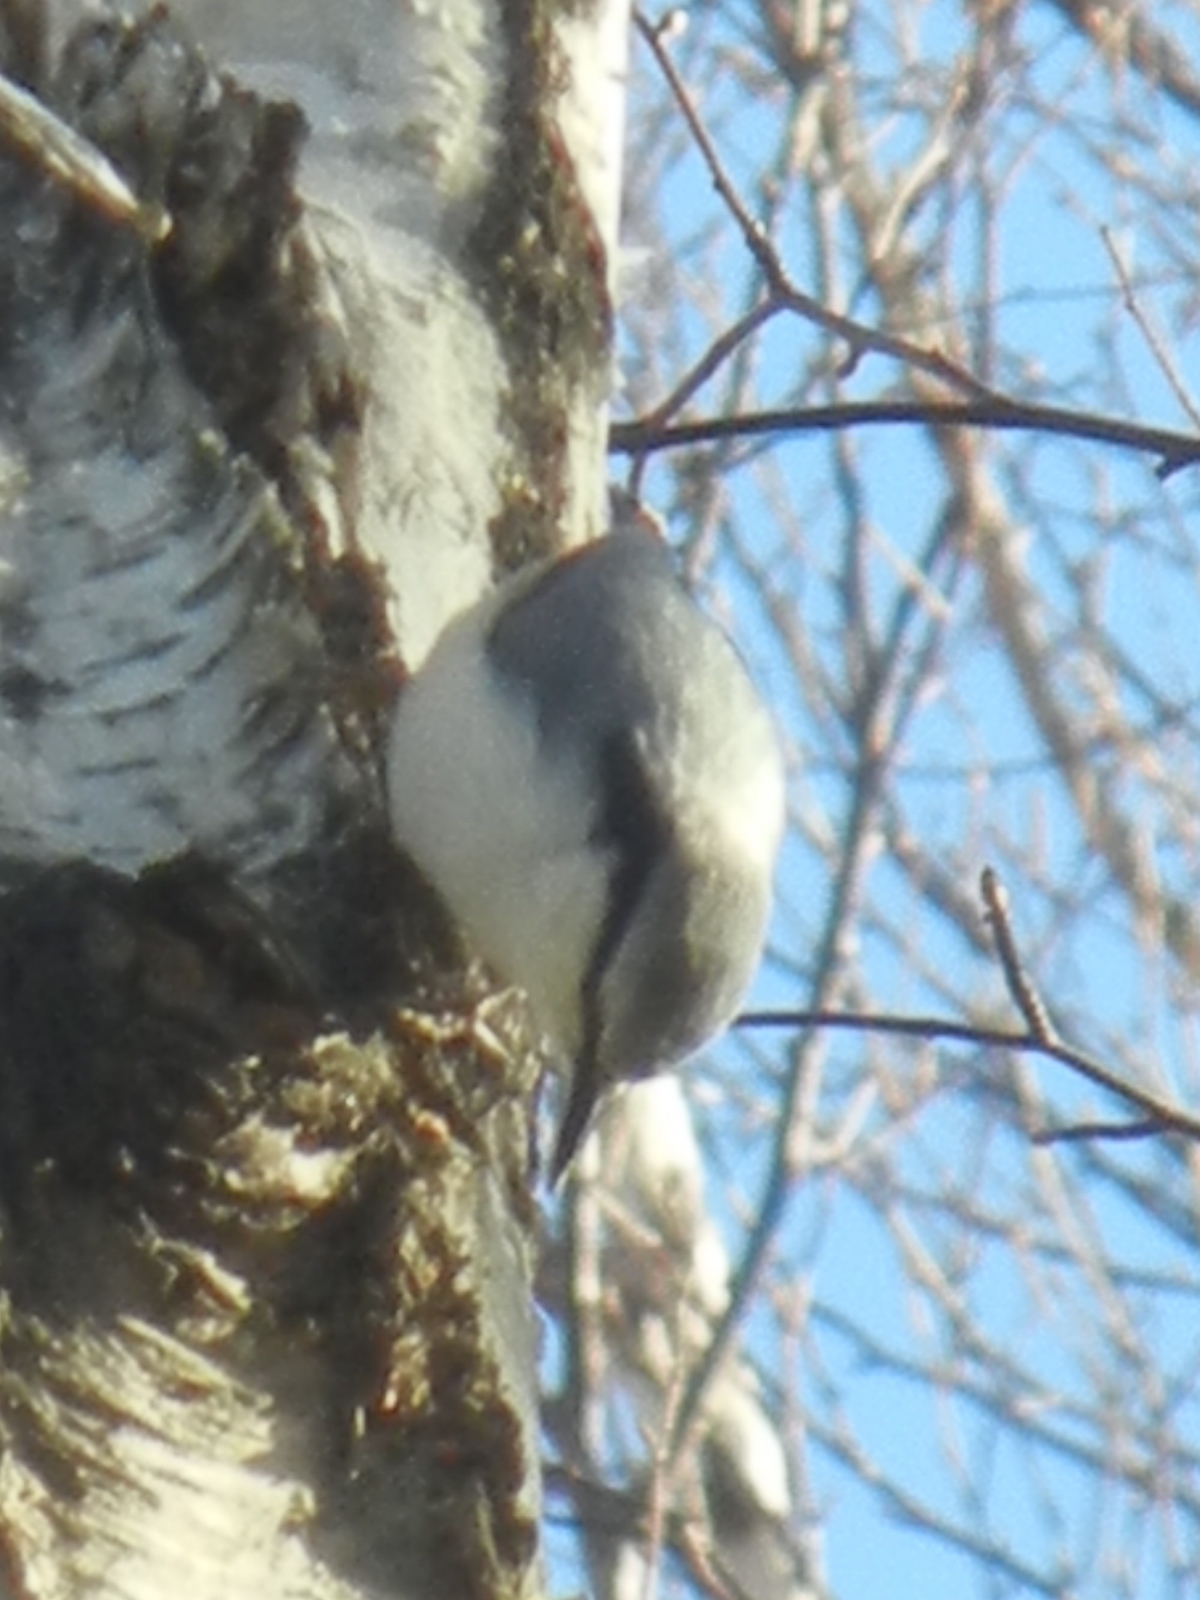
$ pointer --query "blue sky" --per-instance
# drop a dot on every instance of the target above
(972, 781)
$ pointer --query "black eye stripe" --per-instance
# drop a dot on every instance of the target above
(635, 831)
(632, 830)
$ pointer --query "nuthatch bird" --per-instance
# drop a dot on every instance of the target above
(584, 772)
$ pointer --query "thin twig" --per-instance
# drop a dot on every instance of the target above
(1154, 340)
(56, 149)
(782, 290)
(1077, 1132)
(711, 360)
(1021, 987)
(1169, 1118)
(1175, 450)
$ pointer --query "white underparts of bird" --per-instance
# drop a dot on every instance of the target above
(585, 773)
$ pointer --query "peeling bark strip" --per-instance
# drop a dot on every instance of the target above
(540, 261)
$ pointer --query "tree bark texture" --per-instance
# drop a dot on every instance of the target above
(266, 1233)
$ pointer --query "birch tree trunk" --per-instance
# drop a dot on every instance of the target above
(265, 1238)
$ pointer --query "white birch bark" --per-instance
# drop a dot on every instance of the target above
(266, 1251)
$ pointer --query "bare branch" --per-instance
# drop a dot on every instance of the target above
(1174, 450)
(1020, 985)
(1166, 1117)
(782, 291)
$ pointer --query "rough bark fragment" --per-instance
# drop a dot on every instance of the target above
(249, 1339)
